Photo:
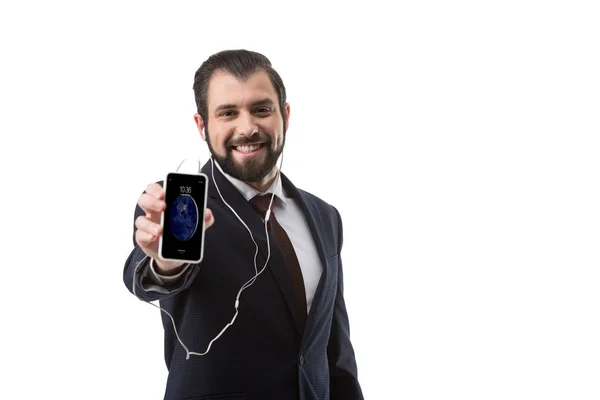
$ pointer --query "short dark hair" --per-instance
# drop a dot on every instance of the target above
(241, 64)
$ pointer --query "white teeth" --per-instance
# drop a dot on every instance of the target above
(248, 149)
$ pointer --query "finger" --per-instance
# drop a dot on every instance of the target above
(209, 218)
(144, 239)
(151, 204)
(146, 225)
(156, 191)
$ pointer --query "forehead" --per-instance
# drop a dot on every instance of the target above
(225, 88)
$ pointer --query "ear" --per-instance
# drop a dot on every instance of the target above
(200, 125)
(286, 116)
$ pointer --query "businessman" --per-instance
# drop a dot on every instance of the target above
(291, 338)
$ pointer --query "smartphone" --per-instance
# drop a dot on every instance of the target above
(183, 219)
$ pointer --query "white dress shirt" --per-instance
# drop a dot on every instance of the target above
(292, 219)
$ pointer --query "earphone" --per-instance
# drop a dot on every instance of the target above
(245, 286)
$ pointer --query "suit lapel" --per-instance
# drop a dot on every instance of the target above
(242, 207)
(312, 218)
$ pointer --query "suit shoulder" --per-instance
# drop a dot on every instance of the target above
(317, 201)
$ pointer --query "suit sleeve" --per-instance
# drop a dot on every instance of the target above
(142, 281)
(342, 363)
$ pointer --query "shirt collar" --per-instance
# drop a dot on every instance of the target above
(249, 192)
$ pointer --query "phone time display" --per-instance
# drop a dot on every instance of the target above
(185, 189)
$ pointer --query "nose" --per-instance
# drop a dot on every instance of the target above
(246, 124)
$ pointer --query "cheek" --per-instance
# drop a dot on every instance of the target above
(276, 130)
(218, 139)
(280, 139)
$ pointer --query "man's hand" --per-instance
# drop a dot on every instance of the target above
(149, 229)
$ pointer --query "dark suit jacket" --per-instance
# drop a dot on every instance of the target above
(263, 355)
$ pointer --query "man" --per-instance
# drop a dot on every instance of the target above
(279, 347)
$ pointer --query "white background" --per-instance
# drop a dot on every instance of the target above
(459, 140)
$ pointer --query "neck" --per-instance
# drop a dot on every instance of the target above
(266, 182)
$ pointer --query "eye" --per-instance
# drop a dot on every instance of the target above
(228, 113)
(263, 110)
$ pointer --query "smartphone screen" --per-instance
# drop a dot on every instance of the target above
(183, 219)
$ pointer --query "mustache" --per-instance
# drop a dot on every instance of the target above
(243, 140)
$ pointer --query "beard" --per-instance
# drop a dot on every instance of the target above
(250, 170)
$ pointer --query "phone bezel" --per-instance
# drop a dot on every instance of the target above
(201, 216)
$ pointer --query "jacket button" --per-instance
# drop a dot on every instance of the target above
(301, 359)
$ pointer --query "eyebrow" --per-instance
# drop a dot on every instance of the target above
(264, 102)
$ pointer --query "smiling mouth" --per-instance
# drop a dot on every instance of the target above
(247, 149)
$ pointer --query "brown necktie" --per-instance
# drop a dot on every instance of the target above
(261, 205)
